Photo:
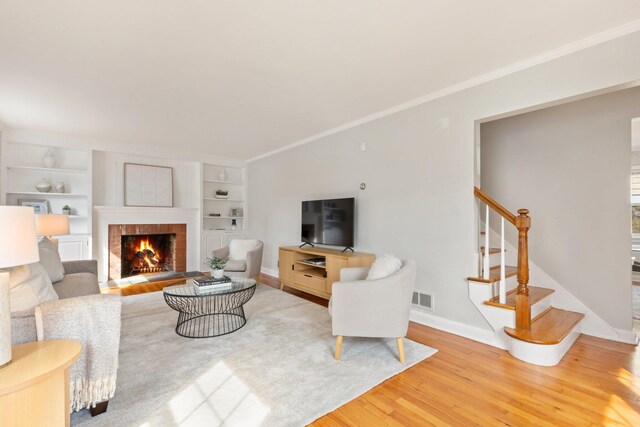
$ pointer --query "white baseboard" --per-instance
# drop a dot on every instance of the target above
(474, 333)
(270, 272)
(628, 336)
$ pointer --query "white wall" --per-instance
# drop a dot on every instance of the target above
(419, 170)
(570, 165)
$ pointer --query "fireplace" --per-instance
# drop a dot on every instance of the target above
(146, 248)
(152, 253)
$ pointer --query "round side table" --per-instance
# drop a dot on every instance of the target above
(34, 387)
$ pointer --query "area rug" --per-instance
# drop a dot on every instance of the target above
(278, 370)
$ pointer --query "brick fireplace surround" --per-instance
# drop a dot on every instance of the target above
(116, 231)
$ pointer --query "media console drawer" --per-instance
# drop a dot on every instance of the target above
(314, 282)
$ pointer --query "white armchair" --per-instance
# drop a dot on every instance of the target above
(249, 266)
(372, 308)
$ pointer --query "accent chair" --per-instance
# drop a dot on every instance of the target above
(372, 308)
(242, 263)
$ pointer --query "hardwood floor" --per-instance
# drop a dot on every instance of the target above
(468, 383)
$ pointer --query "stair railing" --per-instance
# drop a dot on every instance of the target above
(523, 223)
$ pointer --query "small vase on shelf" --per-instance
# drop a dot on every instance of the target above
(49, 160)
(59, 187)
(234, 225)
(222, 176)
(43, 186)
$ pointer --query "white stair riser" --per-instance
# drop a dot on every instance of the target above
(494, 259)
(543, 355)
(540, 306)
(510, 283)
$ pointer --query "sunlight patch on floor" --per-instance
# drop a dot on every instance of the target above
(215, 397)
(618, 412)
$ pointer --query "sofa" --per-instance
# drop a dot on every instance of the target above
(81, 313)
(80, 279)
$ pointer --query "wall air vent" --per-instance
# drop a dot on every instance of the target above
(423, 300)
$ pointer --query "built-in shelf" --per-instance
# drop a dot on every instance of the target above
(235, 183)
(22, 167)
(43, 169)
(37, 193)
(217, 181)
(223, 217)
(213, 199)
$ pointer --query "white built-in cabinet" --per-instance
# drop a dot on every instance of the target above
(218, 231)
(23, 167)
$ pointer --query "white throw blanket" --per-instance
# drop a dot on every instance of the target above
(94, 320)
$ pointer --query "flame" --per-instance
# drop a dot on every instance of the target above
(144, 244)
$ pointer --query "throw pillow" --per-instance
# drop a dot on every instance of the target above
(50, 260)
(384, 266)
(238, 249)
(29, 286)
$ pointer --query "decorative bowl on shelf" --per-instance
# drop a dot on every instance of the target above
(59, 187)
(43, 186)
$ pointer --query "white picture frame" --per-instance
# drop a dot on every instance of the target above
(39, 206)
(148, 185)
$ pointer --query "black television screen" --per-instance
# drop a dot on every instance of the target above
(328, 222)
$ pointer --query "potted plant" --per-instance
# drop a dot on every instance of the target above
(217, 264)
(222, 194)
(66, 209)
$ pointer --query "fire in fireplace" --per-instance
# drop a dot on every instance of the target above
(151, 253)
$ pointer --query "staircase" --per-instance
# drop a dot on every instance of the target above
(522, 316)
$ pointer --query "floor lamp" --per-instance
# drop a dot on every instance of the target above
(18, 246)
(48, 225)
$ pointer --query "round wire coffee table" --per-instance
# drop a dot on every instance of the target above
(210, 313)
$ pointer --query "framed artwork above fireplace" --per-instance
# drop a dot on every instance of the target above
(146, 185)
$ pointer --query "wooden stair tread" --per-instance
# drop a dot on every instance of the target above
(550, 327)
(535, 295)
(491, 250)
(494, 274)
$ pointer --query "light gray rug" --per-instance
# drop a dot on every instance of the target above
(278, 370)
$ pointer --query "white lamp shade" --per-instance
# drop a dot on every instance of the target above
(18, 242)
(52, 225)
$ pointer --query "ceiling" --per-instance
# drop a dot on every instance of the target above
(240, 78)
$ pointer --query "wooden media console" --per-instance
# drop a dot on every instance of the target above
(316, 279)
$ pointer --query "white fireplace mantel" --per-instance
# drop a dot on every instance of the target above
(106, 215)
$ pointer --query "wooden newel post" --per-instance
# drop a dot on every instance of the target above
(523, 310)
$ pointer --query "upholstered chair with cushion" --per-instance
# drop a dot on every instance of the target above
(244, 258)
(368, 303)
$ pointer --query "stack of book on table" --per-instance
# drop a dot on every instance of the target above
(206, 284)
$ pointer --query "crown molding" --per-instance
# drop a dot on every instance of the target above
(568, 49)
(30, 136)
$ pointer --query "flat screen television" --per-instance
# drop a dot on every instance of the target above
(328, 222)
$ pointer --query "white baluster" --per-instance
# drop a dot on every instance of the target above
(485, 267)
(503, 283)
